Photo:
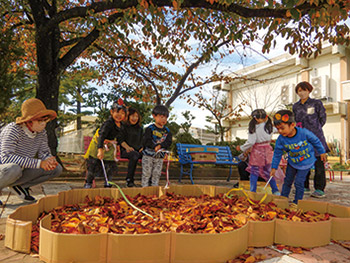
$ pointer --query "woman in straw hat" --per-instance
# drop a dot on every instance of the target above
(25, 157)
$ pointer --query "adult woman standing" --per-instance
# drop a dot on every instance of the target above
(311, 114)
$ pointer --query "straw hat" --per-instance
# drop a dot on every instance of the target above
(33, 109)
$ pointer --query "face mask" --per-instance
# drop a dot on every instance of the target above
(38, 126)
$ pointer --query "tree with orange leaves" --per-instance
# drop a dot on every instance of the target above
(56, 34)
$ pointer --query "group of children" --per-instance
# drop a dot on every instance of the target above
(301, 137)
(123, 131)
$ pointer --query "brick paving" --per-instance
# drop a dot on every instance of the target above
(336, 192)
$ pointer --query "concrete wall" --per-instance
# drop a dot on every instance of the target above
(287, 71)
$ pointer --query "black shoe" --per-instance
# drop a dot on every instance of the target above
(130, 184)
(1, 203)
(107, 186)
(236, 185)
(87, 185)
(22, 193)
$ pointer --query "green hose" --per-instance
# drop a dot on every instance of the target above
(128, 202)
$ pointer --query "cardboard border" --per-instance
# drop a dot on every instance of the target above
(307, 205)
(340, 223)
(261, 233)
(205, 248)
(66, 248)
(303, 234)
(169, 247)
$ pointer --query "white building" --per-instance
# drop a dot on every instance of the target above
(203, 135)
(271, 85)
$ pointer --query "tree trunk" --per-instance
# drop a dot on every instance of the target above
(222, 133)
(47, 44)
(78, 109)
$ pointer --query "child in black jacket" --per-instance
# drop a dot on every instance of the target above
(131, 142)
(108, 134)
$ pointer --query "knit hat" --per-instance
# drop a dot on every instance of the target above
(33, 109)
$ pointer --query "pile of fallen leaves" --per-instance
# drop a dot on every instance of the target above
(177, 213)
(171, 212)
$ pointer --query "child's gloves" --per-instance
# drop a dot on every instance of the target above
(323, 157)
(100, 153)
(273, 172)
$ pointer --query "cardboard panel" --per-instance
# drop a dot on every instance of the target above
(221, 190)
(208, 247)
(48, 203)
(18, 235)
(302, 234)
(340, 224)
(340, 229)
(26, 213)
(259, 189)
(19, 228)
(62, 198)
(151, 190)
(339, 210)
(281, 201)
(67, 248)
(236, 191)
(307, 205)
(261, 233)
(153, 248)
(110, 192)
(260, 197)
(191, 190)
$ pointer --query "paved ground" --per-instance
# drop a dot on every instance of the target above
(337, 192)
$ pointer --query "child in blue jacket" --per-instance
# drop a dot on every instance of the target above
(299, 143)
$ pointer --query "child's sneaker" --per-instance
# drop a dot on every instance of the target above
(318, 194)
(276, 193)
(87, 185)
(307, 191)
(1, 203)
(107, 186)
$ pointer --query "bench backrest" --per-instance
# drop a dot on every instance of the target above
(224, 154)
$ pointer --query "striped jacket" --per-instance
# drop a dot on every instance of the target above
(18, 146)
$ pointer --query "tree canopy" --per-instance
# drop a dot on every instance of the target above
(115, 36)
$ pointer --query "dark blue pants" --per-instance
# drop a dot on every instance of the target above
(254, 176)
(298, 177)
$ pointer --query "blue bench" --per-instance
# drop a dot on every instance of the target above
(186, 153)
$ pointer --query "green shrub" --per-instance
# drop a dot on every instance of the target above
(339, 166)
(183, 137)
